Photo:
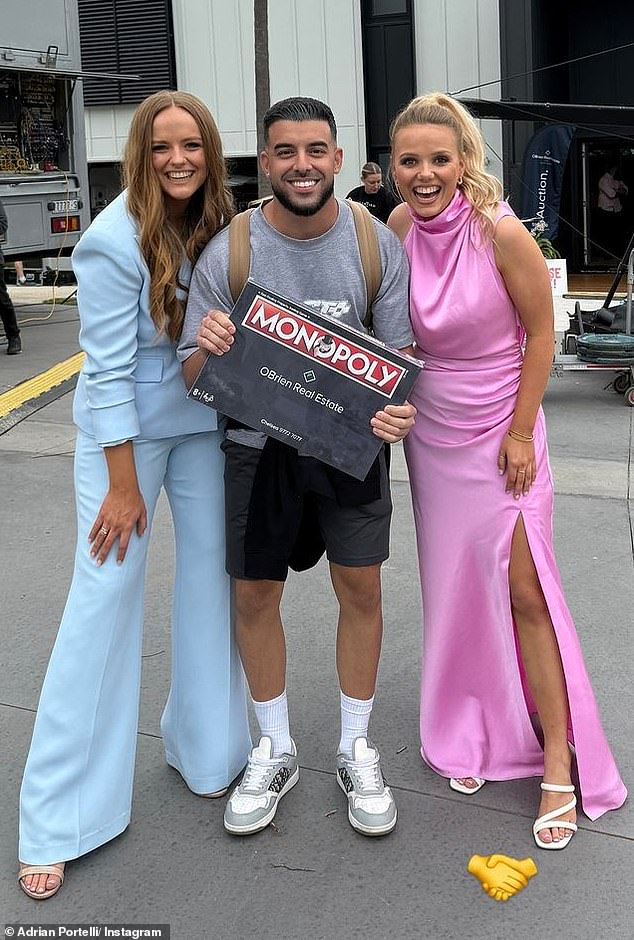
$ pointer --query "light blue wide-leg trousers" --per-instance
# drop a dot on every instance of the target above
(77, 787)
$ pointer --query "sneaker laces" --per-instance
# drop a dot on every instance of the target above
(368, 774)
(256, 773)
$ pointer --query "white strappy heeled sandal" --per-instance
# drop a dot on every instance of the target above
(552, 821)
(455, 784)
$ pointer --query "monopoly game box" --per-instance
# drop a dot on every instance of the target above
(306, 379)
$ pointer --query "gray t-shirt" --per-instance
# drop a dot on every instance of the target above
(324, 273)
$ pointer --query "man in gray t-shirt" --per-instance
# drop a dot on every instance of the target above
(304, 246)
(323, 272)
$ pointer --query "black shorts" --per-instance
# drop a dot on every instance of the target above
(354, 536)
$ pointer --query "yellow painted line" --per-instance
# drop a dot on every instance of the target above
(40, 384)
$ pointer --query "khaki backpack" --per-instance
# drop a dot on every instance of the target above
(240, 254)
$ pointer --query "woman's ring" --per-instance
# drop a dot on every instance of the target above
(103, 531)
(521, 471)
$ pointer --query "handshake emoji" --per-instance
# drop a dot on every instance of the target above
(500, 875)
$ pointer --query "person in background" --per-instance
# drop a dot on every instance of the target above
(20, 276)
(611, 234)
(373, 194)
(138, 433)
(499, 642)
(7, 310)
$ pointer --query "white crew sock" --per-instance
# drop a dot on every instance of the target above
(272, 717)
(355, 718)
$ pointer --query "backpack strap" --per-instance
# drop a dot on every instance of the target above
(239, 252)
(370, 255)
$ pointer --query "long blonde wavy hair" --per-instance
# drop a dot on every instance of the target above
(483, 190)
(163, 245)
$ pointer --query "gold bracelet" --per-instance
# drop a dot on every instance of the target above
(518, 436)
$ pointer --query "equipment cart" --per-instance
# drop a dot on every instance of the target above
(594, 338)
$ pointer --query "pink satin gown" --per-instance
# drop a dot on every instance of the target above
(475, 705)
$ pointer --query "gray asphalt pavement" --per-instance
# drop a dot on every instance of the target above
(312, 877)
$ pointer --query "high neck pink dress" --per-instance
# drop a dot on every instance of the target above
(475, 705)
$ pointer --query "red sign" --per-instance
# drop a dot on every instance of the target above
(331, 350)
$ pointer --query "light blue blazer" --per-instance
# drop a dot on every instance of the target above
(131, 384)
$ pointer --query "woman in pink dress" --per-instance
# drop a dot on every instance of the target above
(499, 642)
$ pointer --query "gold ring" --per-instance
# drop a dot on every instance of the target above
(521, 471)
(104, 531)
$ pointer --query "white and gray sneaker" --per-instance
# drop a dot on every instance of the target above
(371, 806)
(253, 803)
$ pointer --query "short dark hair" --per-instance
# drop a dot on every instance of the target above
(299, 109)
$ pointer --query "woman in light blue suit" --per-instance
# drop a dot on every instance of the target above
(137, 432)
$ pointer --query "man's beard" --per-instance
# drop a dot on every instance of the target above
(281, 196)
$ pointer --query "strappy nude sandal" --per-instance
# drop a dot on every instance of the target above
(551, 820)
(213, 796)
(216, 795)
(455, 784)
(57, 870)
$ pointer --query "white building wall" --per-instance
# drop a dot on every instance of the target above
(317, 55)
(314, 49)
(106, 132)
(457, 46)
(213, 42)
(214, 59)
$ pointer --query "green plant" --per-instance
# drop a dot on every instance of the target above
(545, 245)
